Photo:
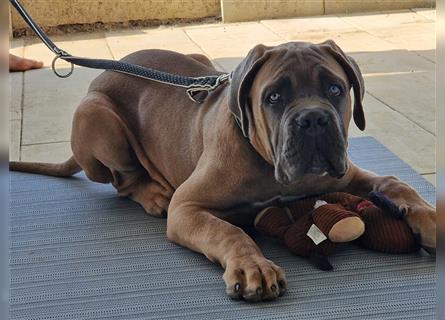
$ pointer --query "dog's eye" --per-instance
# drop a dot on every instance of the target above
(335, 90)
(274, 97)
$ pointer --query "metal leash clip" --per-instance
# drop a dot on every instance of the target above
(60, 55)
(194, 92)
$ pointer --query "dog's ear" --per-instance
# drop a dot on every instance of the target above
(355, 78)
(241, 81)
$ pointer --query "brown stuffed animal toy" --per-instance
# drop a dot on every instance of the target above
(311, 227)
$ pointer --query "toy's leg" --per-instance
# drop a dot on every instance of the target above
(297, 240)
(273, 222)
(278, 222)
(420, 215)
(385, 233)
(338, 224)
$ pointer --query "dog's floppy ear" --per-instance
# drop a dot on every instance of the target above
(355, 77)
(241, 81)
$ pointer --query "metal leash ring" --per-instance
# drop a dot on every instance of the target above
(53, 66)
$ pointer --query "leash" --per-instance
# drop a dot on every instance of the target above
(193, 85)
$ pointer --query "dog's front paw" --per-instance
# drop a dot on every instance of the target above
(422, 220)
(419, 215)
(254, 278)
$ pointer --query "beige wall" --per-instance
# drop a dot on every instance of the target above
(348, 6)
(58, 12)
(233, 10)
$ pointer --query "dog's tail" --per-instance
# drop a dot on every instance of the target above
(64, 169)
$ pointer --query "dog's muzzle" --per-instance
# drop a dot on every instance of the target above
(312, 122)
(313, 142)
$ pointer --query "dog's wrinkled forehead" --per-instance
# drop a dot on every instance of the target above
(301, 50)
(298, 61)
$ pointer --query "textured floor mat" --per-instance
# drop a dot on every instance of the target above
(80, 252)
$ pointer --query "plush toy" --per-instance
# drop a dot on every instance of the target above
(311, 227)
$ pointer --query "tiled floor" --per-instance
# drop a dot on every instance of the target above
(395, 50)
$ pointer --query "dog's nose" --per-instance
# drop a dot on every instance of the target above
(313, 122)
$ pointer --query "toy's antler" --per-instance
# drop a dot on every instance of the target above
(384, 203)
(320, 261)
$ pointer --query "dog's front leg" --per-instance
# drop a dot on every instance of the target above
(248, 274)
(419, 214)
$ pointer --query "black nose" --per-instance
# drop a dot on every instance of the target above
(313, 122)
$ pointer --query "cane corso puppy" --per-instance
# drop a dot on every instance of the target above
(279, 128)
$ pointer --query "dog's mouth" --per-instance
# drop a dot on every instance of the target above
(302, 154)
(289, 170)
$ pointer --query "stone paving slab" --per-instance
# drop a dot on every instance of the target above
(427, 54)
(14, 139)
(384, 20)
(413, 37)
(350, 42)
(16, 46)
(427, 13)
(431, 178)
(15, 109)
(16, 82)
(52, 152)
(410, 142)
(393, 90)
(291, 28)
(424, 28)
(406, 30)
(225, 44)
(318, 29)
(88, 45)
(391, 62)
(345, 6)
(122, 43)
(49, 104)
(394, 76)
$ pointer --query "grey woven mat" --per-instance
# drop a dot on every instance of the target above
(80, 252)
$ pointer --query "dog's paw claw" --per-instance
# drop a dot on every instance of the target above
(254, 279)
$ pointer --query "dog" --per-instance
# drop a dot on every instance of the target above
(278, 129)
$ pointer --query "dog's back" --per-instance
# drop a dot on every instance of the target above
(159, 116)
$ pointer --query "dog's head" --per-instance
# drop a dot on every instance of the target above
(293, 102)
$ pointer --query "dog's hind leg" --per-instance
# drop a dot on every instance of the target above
(102, 146)
(154, 198)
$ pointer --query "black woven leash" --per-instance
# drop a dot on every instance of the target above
(194, 85)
